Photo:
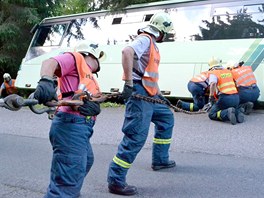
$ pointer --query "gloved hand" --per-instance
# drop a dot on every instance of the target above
(164, 99)
(89, 108)
(45, 90)
(127, 92)
(212, 100)
(207, 107)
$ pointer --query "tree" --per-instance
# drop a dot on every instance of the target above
(17, 17)
(240, 25)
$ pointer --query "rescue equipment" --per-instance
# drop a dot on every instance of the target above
(160, 101)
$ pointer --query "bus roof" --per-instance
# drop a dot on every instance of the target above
(144, 6)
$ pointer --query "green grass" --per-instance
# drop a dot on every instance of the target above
(111, 104)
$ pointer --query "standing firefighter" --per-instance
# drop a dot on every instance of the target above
(71, 129)
(140, 62)
(8, 86)
(222, 87)
(246, 84)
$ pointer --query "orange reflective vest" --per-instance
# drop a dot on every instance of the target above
(151, 74)
(225, 84)
(244, 76)
(202, 77)
(87, 81)
(10, 89)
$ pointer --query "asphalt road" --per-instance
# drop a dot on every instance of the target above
(214, 159)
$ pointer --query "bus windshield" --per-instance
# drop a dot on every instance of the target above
(47, 38)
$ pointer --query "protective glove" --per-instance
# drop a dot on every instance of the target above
(45, 90)
(165, 99)
(207, 107)
(127, 92)
(89, 108)
(212, 100)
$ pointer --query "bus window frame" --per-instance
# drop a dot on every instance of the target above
(43, 25)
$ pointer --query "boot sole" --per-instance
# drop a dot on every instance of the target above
(232, 115)
(163, 167)
(249, 108)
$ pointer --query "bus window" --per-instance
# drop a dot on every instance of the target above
(49, 35)
(235, 22)
(254, 8)
(188, 20)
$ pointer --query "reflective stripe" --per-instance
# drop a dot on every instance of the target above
(200, 77)
(191, 106)
(226, 84)
(149, 84)
(244, 76)
(219, 115)
(228, 89)
(82, 87)
(162, 141)
(121, 162)
(245, 83)
(151, 74)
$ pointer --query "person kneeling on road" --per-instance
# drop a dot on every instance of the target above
(226, 107)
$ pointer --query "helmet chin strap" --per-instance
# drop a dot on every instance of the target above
(161, 37)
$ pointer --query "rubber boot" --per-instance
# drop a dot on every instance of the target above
(231, 113)
(248, 106)
(170, 164)
(240, 115)
(122, 190)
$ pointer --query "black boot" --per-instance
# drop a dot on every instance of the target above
(240, 115)
(248, 106)
(170, 164)
(231, 113)
(122, 190)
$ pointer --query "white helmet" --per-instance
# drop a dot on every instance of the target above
(162, 22)
(159, 25)
(6, 76)
(214, 62)
(86, 46)
(231, 64)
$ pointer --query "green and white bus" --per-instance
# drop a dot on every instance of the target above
(227, 29)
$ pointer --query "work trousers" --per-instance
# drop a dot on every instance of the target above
(199, 97)
(72, 154)
(219, 109)
(248, 94)
(138, 116)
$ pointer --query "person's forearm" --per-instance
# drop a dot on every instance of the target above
(127, 63)
(49, 68)
(212, 89)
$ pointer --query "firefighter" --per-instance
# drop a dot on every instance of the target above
(198, 87)
(140, 62)
(8, 86)
(71, 129)
(246, 84)
(223, 95)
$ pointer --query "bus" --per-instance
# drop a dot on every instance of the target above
(227, 29)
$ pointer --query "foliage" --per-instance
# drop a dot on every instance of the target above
(111, 104)
(17, 17)
(240, 25)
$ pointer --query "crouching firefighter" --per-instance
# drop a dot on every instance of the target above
(140, 62)
(71, 129)
(198, 86)
(222, 87)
